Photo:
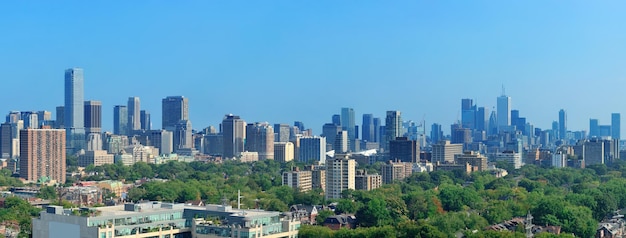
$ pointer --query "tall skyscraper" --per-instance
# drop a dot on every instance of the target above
(5, 140)
(594, 128)
(377, 134)
(260, 139)
(330, 130)
(404, 150)
(234, 134)
(74, 110)
(481, 119)
(341, 144)
(337, 119)
(299, 125)
(60, 118)
(31, 119)
(282, 132)
(134, 114)
(436, 134)
(312, 148)
(183, 138)
(393, 128)
(120, 120)
(45, 117)
(468, 113)
(42, 154)
(493, 123)
(283, 151)
(562, 124)
(615, 126)
(174, 109)
(146, 124)
(368, 128)
(347, 122)
(93, 117)
(504, 112)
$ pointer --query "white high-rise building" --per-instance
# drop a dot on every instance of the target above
(504, 112)
(134, 114)
(340, 175)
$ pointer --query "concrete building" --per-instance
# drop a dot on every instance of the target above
(283, 151)
(134, 114)
(214, 144)
(318, 178)
(341, 143)
(367, 182)
(42, 154)
(594, 152)
(474, 159)
(281, 132)
(298, 180)
(5, 140)
(74, 114)
(173, 110)
(260, 138)
(312, 149)
(392, 171)
(234, 135)
(513, 158)
(248, 156)
(405, 150)
(340, 175)
(157, 219)
(93, 125)
(444, 152)
(97, 158)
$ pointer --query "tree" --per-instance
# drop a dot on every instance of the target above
(322, 215)
(375, 213)
(47, 192)
(346, 206)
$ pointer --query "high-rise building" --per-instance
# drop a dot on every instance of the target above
(347, 122)
(282, 132)
(615, 126)
(436, 134)
(298, 180)
(45, 118)
(474, 159)
(120, 120)
(31, 119)
(60, 118)
(493, 123)
(481, 119)
(93, 117)
(330, 131)
(283, 151)
(594, 128)
(312, 149)
(174, 109)
(377, 134)
(42, 154)
(234, 134)
(367, 182)
(504, 112)
(74, 110)
(562, 124)
(393, 170)
(341, 144)
(260, 139)
(5, 140)
(134, 114)
(468, 113)
(146, 124)
(340, 175)
(404, 150)
(369, 132)
(337, 119)
(393, 128)
(443, 152)
(299, 125)
(183, 138)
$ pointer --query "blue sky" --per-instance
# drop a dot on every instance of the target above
(281, 61)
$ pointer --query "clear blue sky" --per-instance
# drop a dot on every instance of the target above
(281, 61)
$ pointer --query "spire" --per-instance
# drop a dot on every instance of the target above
(503, 90)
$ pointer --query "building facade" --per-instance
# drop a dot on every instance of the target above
(74, 114)
(283, 151)
(260, 138)
(340, 175)
(42, 154)
(234, 135)
(298, 180)
(174, 109)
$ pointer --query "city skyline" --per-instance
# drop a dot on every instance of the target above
(205, 54)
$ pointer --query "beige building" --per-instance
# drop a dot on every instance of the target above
(474, 159)
(42, 154)
(444, 152)
(283, 151)
(318, 178)
(364, 181)
(340, 175)
(96, 157)
(299, 180)
(392, 171)
(260, 138)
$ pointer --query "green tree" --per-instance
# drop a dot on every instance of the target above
(47, 192)
(374, 213)
(322, 215)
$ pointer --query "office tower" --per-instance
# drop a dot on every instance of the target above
(443, 152)
(312, 149)
(474, 159)
(42, 154)
(146, 124)
(167, 142)
(594, 128)
(562, 124)
(120, 120)
(330, 131)
(134, 114)
(341, 144)
(368, 133)
(436, 134)
(347, 122)
(367, 182)
(183, 135)
(493, 123)
(93, 117)
(337, 119)
(60, 118)
(174, 109)
(459, 135)
(31, 119)
(214, 144)
(393, 170)
(299, 125)
(404, 150)
(74, 110)
(234, 134)
(260, 139)
(615, 126)
(504, 112)
(14, 116)
(377, 135)
(298, 180)
(481, 119)
(468, 113)
(604, 131)
(393, 128)
(45, 118)
(283, 151)
(340, 174)
(5, 140)
(282, 132)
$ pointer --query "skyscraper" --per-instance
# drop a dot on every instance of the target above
(368, 133)
(562, 124)
(234, 134)
(299, 125)
(260, 139)
(134, 114)
(146, 124)
(93, 117)
(393, 127)
(436, 134)
(493, 123)
(60, 118)
(481, 119)
(120, 120)
(594, 128)
(312, 148)
(74, 110)
(615, 126)
(174, 109)
(337, 119)
(42, 154)
(282, 132)
(468, 113)
(183, 138)
(347, 122)
(504, 112)
(377, 134)
(341, 143)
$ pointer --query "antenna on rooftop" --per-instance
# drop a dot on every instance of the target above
(503, 91)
